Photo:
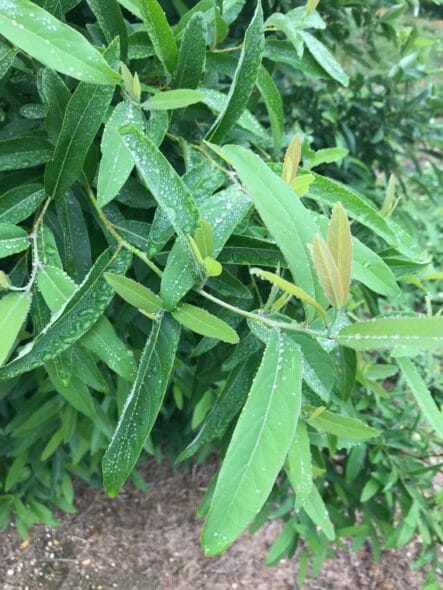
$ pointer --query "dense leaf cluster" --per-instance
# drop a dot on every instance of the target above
(177, 278)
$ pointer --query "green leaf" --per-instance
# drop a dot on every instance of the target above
(316, 510)
(83, 117)
(142, 405)
(134, 293)
(53, 43)
(290, 223)
(110, 20)
(274, 106)
(222, 213)
(299, 465)
(13, 239)
(342, 426)
(74, 318)
(228, 405)
(202, 322)
(160, 33)
(24, 152)
(324, 58)
(244, 79)
(56, 96)
(424, 333)
(258, 446)
(328, 192)
(192, 55)
(327, 156)
(57, 287)
(422, 395)
(7, 56)
(291, 160)
(291, 289)
(74, 391)
(284, 544)
(20, 202)
(14, 308)
(116, 163)
(173, 99)
(251, 251)
(163, 181)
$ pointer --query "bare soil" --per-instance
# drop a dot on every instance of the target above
(151, 542)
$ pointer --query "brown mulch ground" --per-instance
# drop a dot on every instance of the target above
(150, 542)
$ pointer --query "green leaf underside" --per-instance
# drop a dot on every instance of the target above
(173, 99)
(54, 43)
(202, 322)
(424, 333)
(14, 308)
(422, 395)
(134, 293)
(142, 405)
(258, 446)
(342, 426)
(73, 319)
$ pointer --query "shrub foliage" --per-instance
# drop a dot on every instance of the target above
(197, 255)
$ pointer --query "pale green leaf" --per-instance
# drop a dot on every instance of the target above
(134, 293)
(342, 426)
(14, 308)
(173, 99)
(324, 58)
(258, 446)
(202, 322)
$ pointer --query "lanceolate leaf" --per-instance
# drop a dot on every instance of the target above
(142, 405)
(192, 55)
(24, 152)
(274, 105)
(134, 293)
(56, 95)
(291, 289)
(116, 163)
(328, 192)
(299, 465)
(83, 117)
(324, 57)
(258, 446)
(173, 99)
(327, 272)
(52, 42)
(73, 390)
(342, 426)
(202, 322)
(244, 79)
(291, 225)
(422, 395)
(424, 333)
(227, 406)
(13, 239)
(14, 308)
(162, 180)
(340, 245)
(74, 318)
(160, 33)
(111, 22)
(20, 202)
(316, 510)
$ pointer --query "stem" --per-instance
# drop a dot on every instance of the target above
(114, 233)
(293, 326)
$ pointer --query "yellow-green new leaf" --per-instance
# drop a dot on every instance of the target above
(327, 271)
(292, 160)
(202, 322)
(259, 445)
(134, 293)
(14, 308)
(340, 245)
(291, 289)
